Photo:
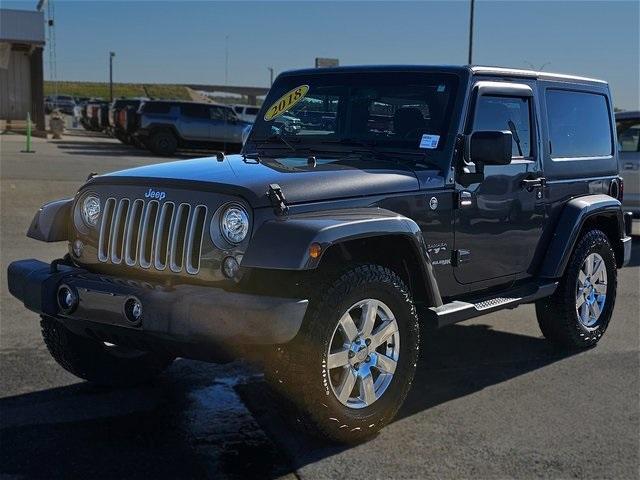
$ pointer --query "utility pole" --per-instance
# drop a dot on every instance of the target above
(226, 59)
(471, 33)
(270, 76)
(111, 55)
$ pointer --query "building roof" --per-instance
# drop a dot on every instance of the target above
(21, 26)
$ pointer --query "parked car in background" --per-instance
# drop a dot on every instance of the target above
(122, 118)
(628, 127)
(63, 103)
(247, 113)
(95, 115)
(166, 126)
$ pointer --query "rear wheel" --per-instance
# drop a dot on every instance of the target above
(578, 313)
(351, 366)
(163, 142)
(98, 362)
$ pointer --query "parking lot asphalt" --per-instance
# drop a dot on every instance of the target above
(491, 398)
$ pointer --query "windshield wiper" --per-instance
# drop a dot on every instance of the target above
(394, 156)
(277, 136)
(514, 132)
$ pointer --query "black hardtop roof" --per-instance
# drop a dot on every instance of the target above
(457, 69)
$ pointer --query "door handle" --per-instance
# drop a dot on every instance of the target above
(531, 183)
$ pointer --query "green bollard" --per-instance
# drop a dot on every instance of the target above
(28, 149)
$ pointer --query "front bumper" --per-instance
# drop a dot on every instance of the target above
(185, 315)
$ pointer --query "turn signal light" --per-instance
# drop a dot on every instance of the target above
(314, 250)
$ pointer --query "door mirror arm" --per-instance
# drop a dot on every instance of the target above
(483, 148)
(469, 172)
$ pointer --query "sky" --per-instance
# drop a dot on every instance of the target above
(184, 42)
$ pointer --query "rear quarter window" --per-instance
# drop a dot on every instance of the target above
(154, 107)
(579, 124)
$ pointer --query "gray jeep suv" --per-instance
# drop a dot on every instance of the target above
(408, 195)
(166, 126)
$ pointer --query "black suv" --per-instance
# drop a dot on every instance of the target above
(165, 126)
(431, 195)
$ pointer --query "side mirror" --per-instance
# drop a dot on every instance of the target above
(490, 147)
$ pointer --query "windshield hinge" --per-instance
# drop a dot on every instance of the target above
(277, 199)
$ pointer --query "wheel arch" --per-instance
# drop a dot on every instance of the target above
(370, 235)
(578, 216)
(158, 127)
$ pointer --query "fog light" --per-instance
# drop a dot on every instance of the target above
(67, 299)
(78, 247)
(230, 267)
(133, 310)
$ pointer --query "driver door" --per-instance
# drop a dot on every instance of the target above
(499, 218)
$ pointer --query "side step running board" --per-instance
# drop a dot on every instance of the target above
(458, 311)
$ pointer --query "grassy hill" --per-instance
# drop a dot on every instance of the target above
(97, 89)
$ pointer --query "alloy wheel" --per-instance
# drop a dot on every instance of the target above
(591, 290)
(363, 353)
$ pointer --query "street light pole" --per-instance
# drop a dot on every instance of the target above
(471, 33)
(270, 75)
(111, 55)
(226, 59)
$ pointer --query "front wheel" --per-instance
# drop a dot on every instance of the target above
(578, 313)
(351, 366)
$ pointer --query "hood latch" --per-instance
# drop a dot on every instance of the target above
(277, 199)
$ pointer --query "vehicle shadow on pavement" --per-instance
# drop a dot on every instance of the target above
(202, 419)
(188, 424)
(456, 361)
(82, 431)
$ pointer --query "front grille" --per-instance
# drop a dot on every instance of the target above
(152, 235)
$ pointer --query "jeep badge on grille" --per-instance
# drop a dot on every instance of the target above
(155, 194)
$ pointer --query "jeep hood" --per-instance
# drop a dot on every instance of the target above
(250, 178)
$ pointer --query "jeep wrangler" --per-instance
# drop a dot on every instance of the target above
(407, 195)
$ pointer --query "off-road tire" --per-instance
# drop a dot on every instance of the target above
(92, 361)
(163, 142)
(298, 370)
(557, 314)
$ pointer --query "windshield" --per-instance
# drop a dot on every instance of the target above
(406, 112)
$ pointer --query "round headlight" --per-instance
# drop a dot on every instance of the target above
(234, 224)
(90, 210)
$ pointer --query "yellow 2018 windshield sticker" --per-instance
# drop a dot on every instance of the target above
(285, 102)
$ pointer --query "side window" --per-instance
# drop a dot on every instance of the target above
(217, 113)
(629, 136)
(252, 111)
(578, 124)
(238, 110)
(156, 107)
(506, 113)
(229, 114)
(195, 110)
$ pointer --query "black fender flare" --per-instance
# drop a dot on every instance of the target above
(283, 243)
(52, 221)
(573, 217)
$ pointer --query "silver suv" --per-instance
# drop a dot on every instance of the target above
(166, 126)
(628, 126)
